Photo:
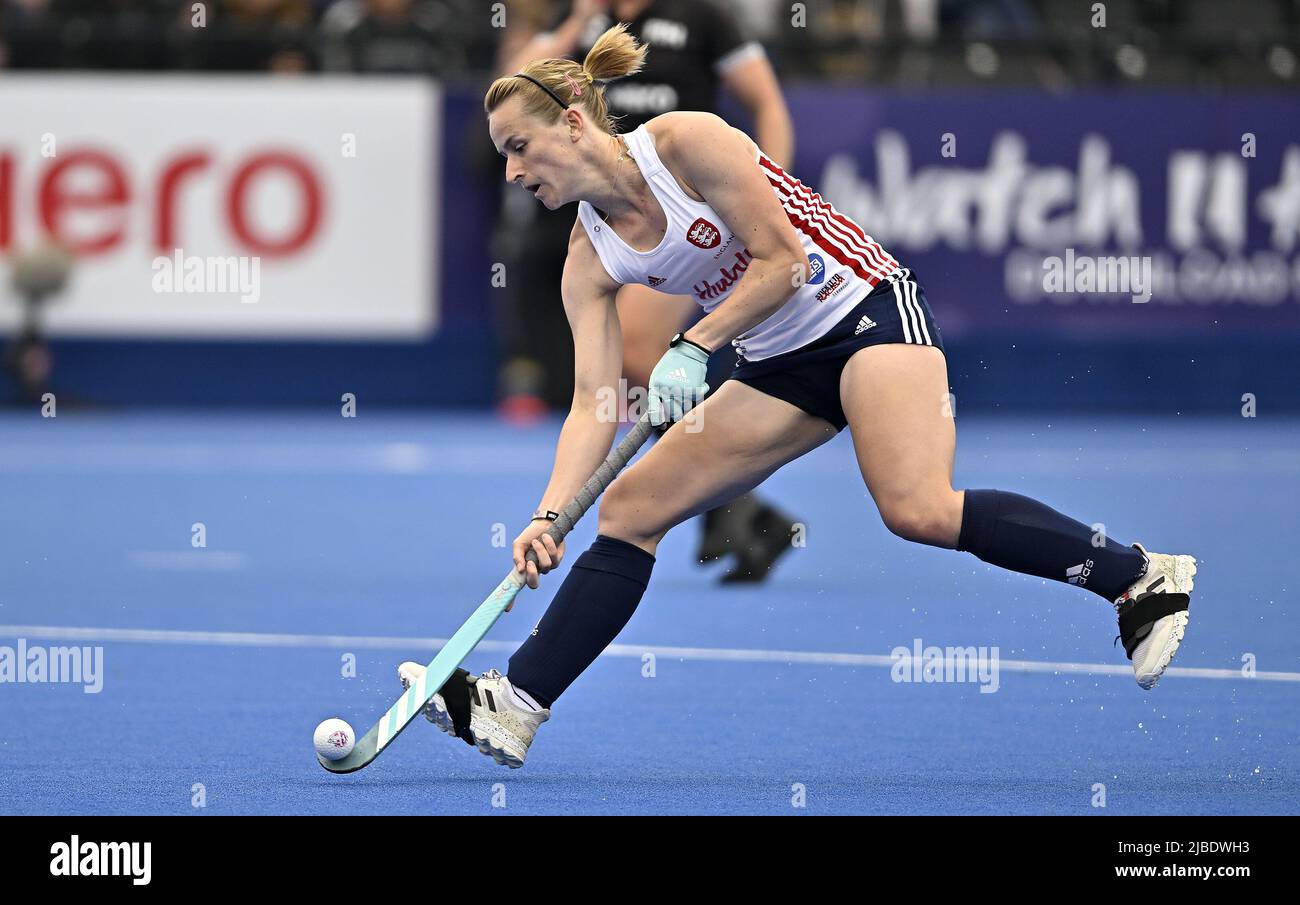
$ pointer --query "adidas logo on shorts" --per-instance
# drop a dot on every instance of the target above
(865, 324)
(1079, 574)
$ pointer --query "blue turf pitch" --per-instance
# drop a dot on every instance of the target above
(381, 528)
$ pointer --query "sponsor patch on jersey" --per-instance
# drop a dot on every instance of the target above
(818, 270)
(727, 277)
(835, 285)
(655, 281)
(703, 234)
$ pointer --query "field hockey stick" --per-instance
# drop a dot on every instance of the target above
(467, 637)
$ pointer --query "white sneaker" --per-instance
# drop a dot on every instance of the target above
(502, 728)
(435, 711)
(1153, 614)
(499, 727)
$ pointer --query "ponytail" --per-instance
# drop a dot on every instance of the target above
(615, 54)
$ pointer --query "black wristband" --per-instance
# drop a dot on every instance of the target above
(681, 338)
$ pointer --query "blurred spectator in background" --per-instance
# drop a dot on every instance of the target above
(244, 35)
(394, 36)
(759, 18)
(527, 19)
(86, 34)
(911, 43)
(18, 13)
(36, 276)
(920, 19)
(992, 18)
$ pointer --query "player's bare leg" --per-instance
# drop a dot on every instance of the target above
(731, 443)
(901, 417)
(895, 397)
(751, 529)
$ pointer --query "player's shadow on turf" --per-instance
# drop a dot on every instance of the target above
(434, 779)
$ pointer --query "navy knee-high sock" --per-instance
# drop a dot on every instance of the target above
(1017, 533)
(591, 607)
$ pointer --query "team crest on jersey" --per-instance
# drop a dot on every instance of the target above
(818, 272)
(703, 234)
(655, 281)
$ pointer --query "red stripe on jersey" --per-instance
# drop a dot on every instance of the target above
(847, 241)
(833, 248)
(839, 225)
(872, 249)
(794, 186)
(844, 250)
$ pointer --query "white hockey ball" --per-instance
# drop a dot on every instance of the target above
(334, 739)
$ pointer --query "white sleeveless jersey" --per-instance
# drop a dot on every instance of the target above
(700, 255)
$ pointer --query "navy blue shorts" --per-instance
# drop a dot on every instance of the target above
(809, 377)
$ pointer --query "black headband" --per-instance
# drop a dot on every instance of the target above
(554, 96)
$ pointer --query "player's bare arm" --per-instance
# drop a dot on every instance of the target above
(588, 293)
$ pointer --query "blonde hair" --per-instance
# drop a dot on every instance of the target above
(615, 54)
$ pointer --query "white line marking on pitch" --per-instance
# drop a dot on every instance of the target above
(717, 654)
(194, 560)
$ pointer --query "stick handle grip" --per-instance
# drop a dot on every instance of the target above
(597, 483)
